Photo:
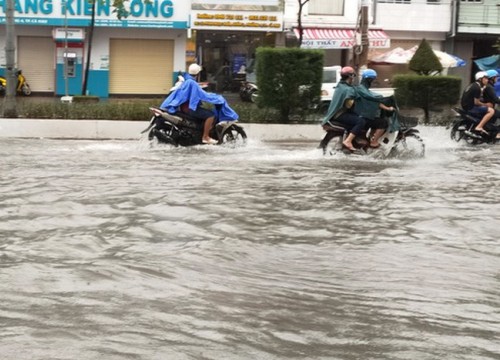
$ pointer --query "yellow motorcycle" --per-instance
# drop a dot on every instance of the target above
(22, 86)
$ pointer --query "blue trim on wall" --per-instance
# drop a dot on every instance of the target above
(74, 83)
(150, 24)
(98, 83)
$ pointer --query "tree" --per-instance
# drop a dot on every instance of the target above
(299, 20)
(121, 12)
(91, 35)
(425, 61)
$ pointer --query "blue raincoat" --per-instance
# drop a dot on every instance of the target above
(190, 91)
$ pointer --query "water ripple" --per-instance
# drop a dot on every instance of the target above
(272, 251)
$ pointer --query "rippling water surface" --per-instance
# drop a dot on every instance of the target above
(114, 250)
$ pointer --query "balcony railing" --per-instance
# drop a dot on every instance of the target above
(479, 15)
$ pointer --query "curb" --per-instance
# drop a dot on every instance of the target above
(131, 130)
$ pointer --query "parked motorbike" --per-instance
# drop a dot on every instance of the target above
(248, 91)
(463, 127)
(401, 139)
(22, 86)
(181, 130)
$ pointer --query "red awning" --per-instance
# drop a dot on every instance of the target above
(329, 38)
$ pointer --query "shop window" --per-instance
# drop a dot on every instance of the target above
(326, 7)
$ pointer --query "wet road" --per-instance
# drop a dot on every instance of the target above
(115, 250)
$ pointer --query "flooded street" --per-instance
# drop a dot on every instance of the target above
(115, 250)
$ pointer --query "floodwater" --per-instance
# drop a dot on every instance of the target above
(115, 250)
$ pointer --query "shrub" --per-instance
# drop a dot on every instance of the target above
(426, 91)
(425, 61)
(289, 79)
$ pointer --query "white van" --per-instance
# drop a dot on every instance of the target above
(331, 78)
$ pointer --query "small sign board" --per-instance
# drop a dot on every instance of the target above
(68, 34)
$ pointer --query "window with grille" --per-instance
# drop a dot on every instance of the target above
(395, 1)
(326, 7)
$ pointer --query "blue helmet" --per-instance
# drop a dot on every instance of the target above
(369, 74)
(491, 73)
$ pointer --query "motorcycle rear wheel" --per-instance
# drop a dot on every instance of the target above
(331, 143)
(26, 90)
(161, 137)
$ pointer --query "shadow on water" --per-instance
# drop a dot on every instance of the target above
(271, 251)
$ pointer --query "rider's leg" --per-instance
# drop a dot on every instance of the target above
(487, 117)
(377, 134)
(348, 141)
(357, 125)
(206, 131)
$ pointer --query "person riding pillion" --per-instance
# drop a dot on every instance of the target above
(489, 95)
(369, 105)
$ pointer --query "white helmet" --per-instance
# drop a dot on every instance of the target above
(480, 75)
(194, 69)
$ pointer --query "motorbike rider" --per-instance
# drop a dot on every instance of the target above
(472, 104)
(489, 95)
(370, 109)
(188, 98)
(341, 108)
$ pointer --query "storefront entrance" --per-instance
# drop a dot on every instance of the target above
(226, 56)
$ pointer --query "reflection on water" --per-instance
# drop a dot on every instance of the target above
(115, 250)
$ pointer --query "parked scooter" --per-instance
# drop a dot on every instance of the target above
(22, 86)
(248, 91)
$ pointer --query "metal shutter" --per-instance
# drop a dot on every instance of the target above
(36, 58)
(140, 66)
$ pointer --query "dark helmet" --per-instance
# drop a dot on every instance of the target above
(369, 74)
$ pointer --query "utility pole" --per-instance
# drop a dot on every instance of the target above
(9, 109)
(89, 49)
(360, 50)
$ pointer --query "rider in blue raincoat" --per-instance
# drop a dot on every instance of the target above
(189, 97)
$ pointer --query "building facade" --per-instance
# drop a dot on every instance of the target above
(134, 55)
(476, 30)
(142, 53)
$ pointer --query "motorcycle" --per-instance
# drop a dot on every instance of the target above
(181, 130)
(22, 86)
(400, 139)
(248, 91)
(462, 128)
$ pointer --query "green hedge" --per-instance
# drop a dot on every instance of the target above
(127, 110)
(289, 79)
(426, 92)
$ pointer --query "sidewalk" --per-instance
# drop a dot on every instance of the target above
(130, 130)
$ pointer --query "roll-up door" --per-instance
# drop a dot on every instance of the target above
(36, 58)
(140, 66)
